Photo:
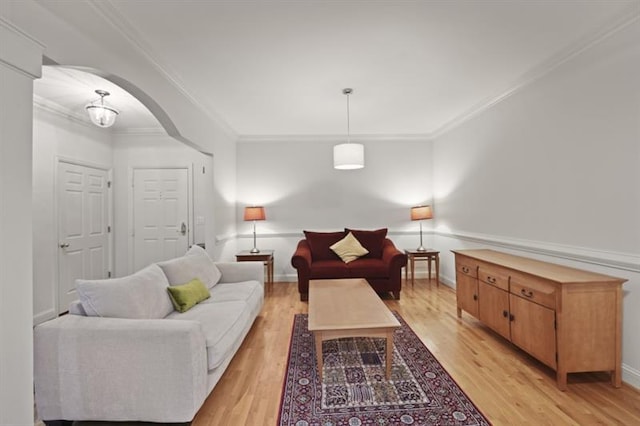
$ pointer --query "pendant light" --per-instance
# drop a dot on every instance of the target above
(348, 156)
(102, 114)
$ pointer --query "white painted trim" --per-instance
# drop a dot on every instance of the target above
(15, 43)
(44, 316)
(631, 376)
(615, 260)
(121, 25)
(627, 17)
(46, 105)
(141, 131)
(228, 237)
(333, 138)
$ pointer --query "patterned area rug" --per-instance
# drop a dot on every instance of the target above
(354, 390)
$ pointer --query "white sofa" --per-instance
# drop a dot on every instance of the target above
(124, 354)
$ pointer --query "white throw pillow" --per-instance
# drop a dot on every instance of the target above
(195, 264)
(141, 295)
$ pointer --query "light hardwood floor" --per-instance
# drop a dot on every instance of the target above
(508, 386)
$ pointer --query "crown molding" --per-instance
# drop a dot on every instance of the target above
(619, 22)
(141, 131)
(121, 25)
(334, 138)
(51, 107)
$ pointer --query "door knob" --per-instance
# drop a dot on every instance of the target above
(183, 228)
(64, 245)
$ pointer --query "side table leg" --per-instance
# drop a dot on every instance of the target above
(437, 270)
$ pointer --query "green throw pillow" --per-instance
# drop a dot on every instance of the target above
(186, 296)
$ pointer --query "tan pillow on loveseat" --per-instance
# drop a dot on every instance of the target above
(349, 248)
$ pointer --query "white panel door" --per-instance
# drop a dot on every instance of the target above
(82, 228)
(160, 215)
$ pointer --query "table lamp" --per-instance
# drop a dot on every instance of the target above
(421, 213)
(254, 213)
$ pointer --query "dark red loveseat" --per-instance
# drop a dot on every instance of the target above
(382, 267)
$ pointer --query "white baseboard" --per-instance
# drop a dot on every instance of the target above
(631, 376)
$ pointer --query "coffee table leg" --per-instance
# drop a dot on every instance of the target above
(319, 354)
(389, 354)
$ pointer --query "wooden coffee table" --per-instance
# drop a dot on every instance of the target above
(349, 308)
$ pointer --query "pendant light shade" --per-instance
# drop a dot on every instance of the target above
(101, 113)
(348, 156)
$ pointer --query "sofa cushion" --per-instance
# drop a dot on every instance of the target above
(371, 240)
(320, 243)
(368, 268)
(141, 295)
(186, 296)
(222, 324)
(243, 290)
(328, 269)
(195, 264)
(349, 248)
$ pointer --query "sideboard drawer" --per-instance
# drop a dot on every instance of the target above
(497, 277)
(535, 290)
(466, 267)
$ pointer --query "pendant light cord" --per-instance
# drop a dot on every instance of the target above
(348, 123)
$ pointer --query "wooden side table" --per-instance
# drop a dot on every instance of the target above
(264, 256)
(429, 255)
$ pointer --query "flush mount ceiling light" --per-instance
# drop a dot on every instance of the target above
(101, 114)
(348, 156)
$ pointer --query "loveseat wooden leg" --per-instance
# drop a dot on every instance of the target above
(304, 297)
(396, 295)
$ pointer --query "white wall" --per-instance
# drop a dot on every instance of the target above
(54, 138)
(148, 151)
(19, 65)
(553, 172)
(300, 190)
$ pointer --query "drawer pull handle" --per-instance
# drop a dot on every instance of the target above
(526, 293)
(511, 317)
(465, 269)
(491, 279)
(505, 314)
(475, 297)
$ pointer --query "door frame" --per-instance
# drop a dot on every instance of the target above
(130, 198)
(56, 217)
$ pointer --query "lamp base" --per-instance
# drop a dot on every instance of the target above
(254, 250)
(421, 249)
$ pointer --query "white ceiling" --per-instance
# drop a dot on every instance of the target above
(279, 67)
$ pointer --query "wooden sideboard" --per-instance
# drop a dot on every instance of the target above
(569, 319)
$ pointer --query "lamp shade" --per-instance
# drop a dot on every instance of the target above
(421, 213)
(348, 156)
(254, 213)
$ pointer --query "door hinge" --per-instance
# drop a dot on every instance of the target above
(108, 274)
(556, 357)
(108, 184)
(108, 229)
(555, 324)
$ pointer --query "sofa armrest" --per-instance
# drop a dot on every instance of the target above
(301, 258)
(392, 256)
(234, 272)
(92, 368)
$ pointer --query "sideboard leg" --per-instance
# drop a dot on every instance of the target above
(562, 380)
(616, 377)
(459, 313)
